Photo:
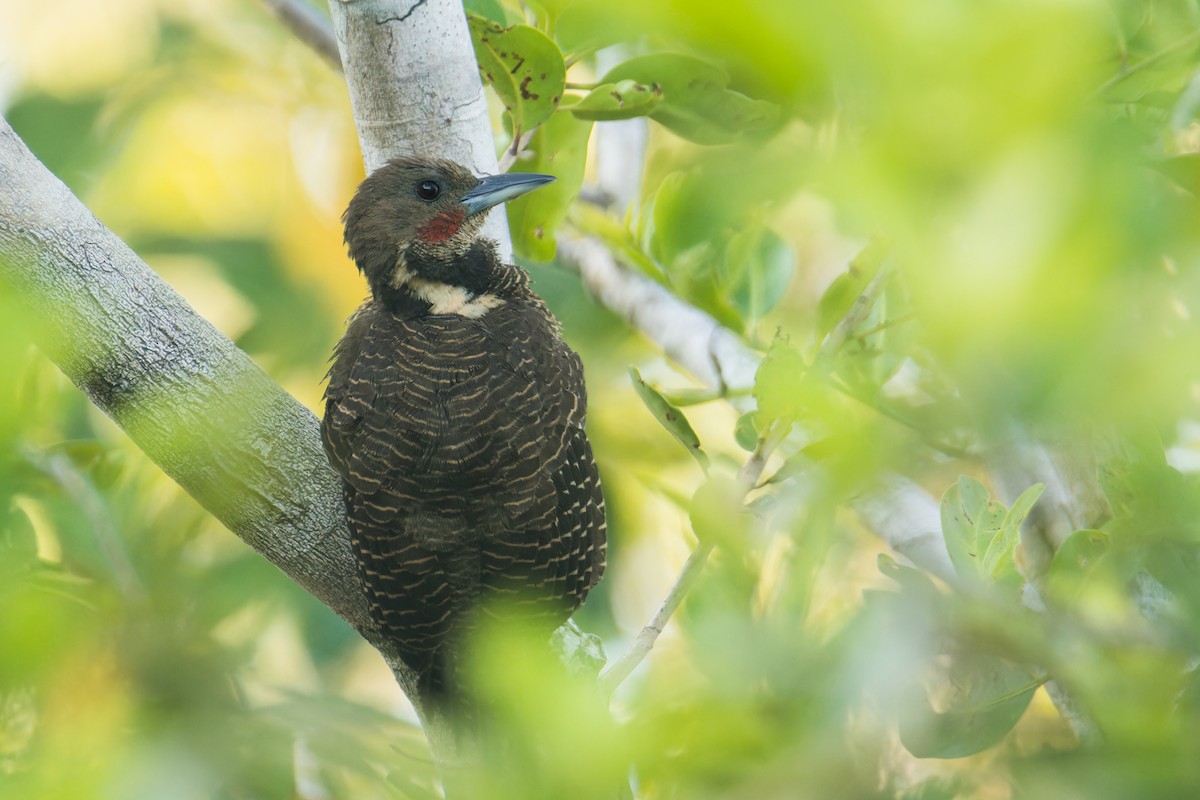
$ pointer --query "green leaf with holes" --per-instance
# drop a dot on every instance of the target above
(558, 148)
(621, 100)
(523, 66)
(669, 416)
(697, 102)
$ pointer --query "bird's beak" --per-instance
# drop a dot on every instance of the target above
(495, 189)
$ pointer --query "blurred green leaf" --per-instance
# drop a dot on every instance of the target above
(673, 214)
(548, 733)
(938, 788)
(839, 297)
(744, 432)
(779, 385)
(988, 696)
(846, 288)
(18, 540)
(1184, 170)
(696, 101)
(758, 267)
(670, 417)
(33, 603)
(1076, 558)
(910, 579)
(523, 66)
(63, 133)
(717, 514)
(615, 101)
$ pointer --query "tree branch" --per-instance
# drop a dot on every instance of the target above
(190, 399)
(896, 509)
(715, 355)
(307, 25)
(415, 88)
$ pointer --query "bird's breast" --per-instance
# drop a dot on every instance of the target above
(469, 409)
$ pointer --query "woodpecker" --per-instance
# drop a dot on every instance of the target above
(454, 414)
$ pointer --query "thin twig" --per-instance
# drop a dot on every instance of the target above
(626, 664)
(309, 27)
(623, 667)
(520, 145)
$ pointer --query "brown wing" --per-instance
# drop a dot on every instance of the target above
(544, 570)
(466, 470)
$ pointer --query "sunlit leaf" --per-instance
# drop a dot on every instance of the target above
(1184, 170)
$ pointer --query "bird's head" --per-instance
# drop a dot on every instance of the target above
(418, 218)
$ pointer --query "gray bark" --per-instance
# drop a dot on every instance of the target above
(189, 398)
(415, 87)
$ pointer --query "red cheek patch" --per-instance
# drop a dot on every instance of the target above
(443, 226)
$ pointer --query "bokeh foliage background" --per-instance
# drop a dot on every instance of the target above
(1026, 174)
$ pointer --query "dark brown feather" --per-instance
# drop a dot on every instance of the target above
(467, 472)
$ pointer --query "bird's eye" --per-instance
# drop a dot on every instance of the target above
(428, 190)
